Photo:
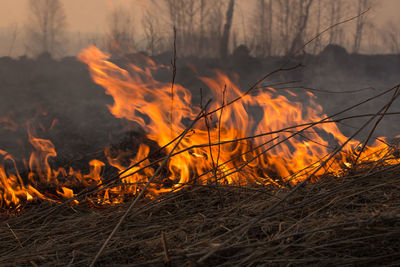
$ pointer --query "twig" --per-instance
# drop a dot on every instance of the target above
(173, 83)
(395, 95)
(320, 90)
(254, 86)
(165, 248)
(15, 236)
(214, 166)
(219, 126)
(244, 227)
(19, 243)
(209, 143)
(307, 127)
(146, 186)
(329, 28)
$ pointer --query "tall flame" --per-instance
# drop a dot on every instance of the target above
(139, 97)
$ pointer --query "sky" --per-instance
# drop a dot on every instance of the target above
(90, 16)
(82, 15)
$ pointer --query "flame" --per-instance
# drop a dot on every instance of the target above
(258, 139)
(67, 193)
(14, 189)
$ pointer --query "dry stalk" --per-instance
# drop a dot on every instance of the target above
(19, 243)
(219, 129)
(242, 229)
(146, 186)
(376, 124)
(165, 248)
(173, 84)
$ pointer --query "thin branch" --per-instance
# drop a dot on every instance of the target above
(395, 95)
(145, 187)
(173, 83)
(244, 227)
(219, 125)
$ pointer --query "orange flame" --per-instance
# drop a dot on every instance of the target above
(140, 98)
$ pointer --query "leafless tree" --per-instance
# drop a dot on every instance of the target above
(262, 29)
(362, 5)
(120, 35)
(293, 24)
(202, 15)
(184, 16)
(335, 14)
(282, 27)
(227, 30)
(46, 27)
(152, 33)
(13, 32)
(213, 30)
(198, 24)
(318, 42)
(302, 19)
(181, 15)
(391, 37)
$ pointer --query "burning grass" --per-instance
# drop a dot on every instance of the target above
(350, 220)
(228, 189)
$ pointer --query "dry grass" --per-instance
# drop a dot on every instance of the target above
(335, 221)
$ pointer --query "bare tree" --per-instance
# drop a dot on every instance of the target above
(317, 42)
(213, 30)
(198, 25)
(202, 15)
(391, 37)
(335, 14)
(293, 24)
(301, 26)
(120, 35)
(152, 33)
(360, 24)
(285, 11)
(46, 27)
(298, 21)
(227, 30)
(186, 16)
(13, 34)
(262, 31)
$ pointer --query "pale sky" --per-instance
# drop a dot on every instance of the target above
(82, 15)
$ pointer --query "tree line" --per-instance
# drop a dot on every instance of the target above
(211, 28)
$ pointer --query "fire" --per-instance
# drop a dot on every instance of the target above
(140, 98)
(239, 143)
